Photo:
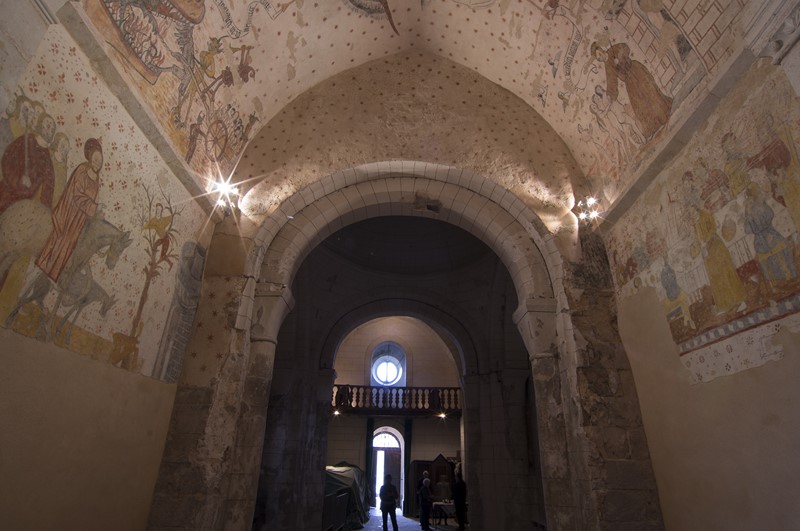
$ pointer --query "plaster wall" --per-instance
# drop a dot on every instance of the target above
(428, 362)
(347, 439)
(715, 363)
(436, 436)
(81, 440)
(724, 452)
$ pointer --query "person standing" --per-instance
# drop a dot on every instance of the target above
(425, 504)
(460, 500)
(388, 495)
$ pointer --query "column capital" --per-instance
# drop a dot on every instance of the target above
(271, 303)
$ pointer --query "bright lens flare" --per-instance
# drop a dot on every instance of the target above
(588, 209)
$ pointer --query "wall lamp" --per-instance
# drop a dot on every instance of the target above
(587, 209)
(228, 195)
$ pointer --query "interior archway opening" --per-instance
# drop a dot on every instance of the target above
(464, 298)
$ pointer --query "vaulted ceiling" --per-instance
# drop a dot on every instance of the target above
(609, 78)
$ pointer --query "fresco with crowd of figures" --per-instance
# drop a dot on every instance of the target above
(96, 240)
(718, 236)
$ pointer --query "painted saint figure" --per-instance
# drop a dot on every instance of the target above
(725, 283)
(77, 204)
(650, 106)
(773, 251)
(28, 168)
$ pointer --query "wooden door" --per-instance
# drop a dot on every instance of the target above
(391, 465)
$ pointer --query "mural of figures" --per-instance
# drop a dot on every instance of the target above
(157, 219)
(68, 261)
(779, 159)
(160, 46)
(726, 287)
(613, 120)
(731, 259)
(670, 41)
(28, 167)
(77, 205)
(774, 253)
(649, 105)
(76, 287)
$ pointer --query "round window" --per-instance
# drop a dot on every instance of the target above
(387, 370)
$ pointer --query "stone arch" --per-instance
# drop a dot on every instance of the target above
(566, 406)
(459, 197)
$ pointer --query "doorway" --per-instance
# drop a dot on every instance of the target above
(387, 456)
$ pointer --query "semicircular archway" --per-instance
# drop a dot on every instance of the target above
(521, 242)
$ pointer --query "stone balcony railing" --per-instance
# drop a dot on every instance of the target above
(368, 400)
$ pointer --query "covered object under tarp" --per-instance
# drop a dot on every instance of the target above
(346, 498)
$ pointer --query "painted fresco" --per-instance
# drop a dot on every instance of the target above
(718, 236)
(186, 70)
(91, 227)
(613, 77)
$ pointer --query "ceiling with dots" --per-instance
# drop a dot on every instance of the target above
(531, 93)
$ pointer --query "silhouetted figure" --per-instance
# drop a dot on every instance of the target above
(425, 504)
(388, 495)
(460, 500)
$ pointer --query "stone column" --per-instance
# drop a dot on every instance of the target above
(192, 485)
(295, 441)
(536, 321)
(474, 446)
(246, 457)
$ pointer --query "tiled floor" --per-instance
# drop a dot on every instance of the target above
(403, 524)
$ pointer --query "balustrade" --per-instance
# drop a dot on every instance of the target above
(396, 400)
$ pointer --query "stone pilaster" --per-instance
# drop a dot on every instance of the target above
(612, 470)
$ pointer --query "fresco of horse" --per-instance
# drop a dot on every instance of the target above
(75, 286)
(82, 291)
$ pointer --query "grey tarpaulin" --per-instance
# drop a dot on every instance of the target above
(344, 477)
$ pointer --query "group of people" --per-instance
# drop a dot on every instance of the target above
(389, 495)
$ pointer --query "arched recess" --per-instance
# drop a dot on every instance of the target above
(481, 207)
(385, 304)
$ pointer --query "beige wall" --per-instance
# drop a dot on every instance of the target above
(347, 440)
(724, 452)
(428, 362)
(81, 441)
(436, 436)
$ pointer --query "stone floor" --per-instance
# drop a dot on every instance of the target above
(404, 524)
